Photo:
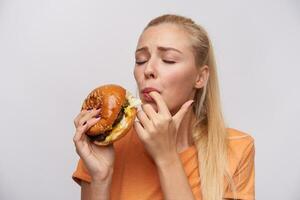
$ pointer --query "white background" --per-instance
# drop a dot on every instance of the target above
(52, 53)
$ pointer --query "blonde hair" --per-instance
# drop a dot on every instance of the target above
(209, 131)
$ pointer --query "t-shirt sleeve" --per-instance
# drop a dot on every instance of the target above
(81, 173)
(244, 176)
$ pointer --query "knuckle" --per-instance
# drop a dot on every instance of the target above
(81, 121)
(158, 123)
(75, 140)
(83, 128)
(168, 118)
(79, 130)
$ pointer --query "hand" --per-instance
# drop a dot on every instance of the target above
(98, 160)
(158, 130)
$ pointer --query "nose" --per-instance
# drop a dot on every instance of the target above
(150, 71)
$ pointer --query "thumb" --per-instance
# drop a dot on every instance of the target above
(177, 118)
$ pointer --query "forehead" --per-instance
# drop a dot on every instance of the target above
(168, 35)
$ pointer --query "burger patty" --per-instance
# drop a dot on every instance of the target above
(102, 136)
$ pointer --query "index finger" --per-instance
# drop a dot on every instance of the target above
(161, 104)
(77, 118)
(80, 115)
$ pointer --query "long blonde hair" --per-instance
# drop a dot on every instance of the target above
(209, 131)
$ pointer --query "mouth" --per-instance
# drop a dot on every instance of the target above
(149, 89)
(147, 97)
(145, 94)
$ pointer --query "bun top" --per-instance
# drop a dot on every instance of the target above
(109, 98)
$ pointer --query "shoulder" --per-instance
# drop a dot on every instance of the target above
(239, 138)
(241, 153)
(235, 134)
(240, 145)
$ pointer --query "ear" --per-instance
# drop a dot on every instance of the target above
(202, 77)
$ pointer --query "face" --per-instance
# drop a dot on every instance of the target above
(165, 62)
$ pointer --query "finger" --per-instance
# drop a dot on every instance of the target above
(91, 114)
(143, 119)
(161, 104)
(79, 116)
(80, 140)
(181, 113)
(81, 130)
(150, 112)
(79, 134)
(140, 130)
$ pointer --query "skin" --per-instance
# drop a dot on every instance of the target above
(172, 72)
(98, 160)
(165, 61)
(163, 123)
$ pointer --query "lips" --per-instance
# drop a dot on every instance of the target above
(146, 92)
(149, 89)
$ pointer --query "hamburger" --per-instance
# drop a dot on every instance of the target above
(118, 108)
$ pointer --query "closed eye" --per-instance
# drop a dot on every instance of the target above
(169, 61)
(165, 61)
(140, 62)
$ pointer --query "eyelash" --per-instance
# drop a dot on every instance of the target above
(169, 61)
(140, 63)
(165, 61)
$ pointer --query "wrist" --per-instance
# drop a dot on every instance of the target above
(102, 178)
(100, 190)
(168, 161)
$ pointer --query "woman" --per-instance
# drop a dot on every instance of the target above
(180, 147)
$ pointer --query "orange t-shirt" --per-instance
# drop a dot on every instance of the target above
(135, 175)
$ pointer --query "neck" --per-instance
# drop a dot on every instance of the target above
(184, 136)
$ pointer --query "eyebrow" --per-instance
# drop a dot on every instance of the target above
(160, 48)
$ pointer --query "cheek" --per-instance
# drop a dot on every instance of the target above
(178, 83)
(178, 88)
